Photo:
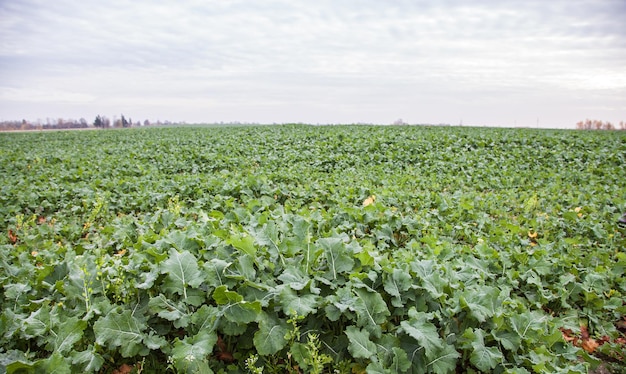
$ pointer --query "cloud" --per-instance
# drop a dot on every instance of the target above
(311, 61)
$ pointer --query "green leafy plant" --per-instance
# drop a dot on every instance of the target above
(294, 248)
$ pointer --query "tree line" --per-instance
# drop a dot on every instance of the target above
(100, 121)
(599, 125)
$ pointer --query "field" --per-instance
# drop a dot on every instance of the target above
(307, 249)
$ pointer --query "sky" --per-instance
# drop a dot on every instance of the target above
(483, 62)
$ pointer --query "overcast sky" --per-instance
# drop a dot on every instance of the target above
(482, 62)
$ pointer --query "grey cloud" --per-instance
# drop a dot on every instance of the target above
(282, 54)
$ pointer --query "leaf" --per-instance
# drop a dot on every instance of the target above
(510, 340)
(121, 330)
(181, 241)
(244, 243)
(147, 279)
(371, 310)
(89, 360)
(205, 318)
(430, 277)
(400, 361)
(588, 344)
(302, 305)
(223, 296)
(195, 348)
(396, 284)
(234, 307)
(63, 337)
(295, 278)
(528, 325)
(420, 329)
(360, 345)
(13, 361)
(214, 270)
(182, 272)
(445, 360)
(37, 323)
(339, 303)
(337, 257)
(484, 358)
(270, 337)
(169, 310)
(55, 364)
(482, 301)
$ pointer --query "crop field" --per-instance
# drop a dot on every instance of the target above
(312, 249)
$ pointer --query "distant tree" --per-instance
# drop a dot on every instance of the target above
(101, 122)
(98, 122)
(146, 123)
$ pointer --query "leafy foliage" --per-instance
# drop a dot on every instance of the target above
(284, 248)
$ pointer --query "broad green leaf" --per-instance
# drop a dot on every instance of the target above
(269, 237)
(528, 325)
(234, 307)
(510, 340)
(182, 272)
(243, 269)
(63, 336)
(371, 310)
(270, 337)
(169, 310)
(396, 284)
(420, 329)
(38, 323)
(181, 241)
(214, 270)
(195, 348)
(89, 359)
(295, 278)
(337, 257)
(244, 243)
(377, 367)
(430, 277)
(339, 303)
(121, 330)
(483, 357)
(302, 305)
(482, 301)
(55, 364)
(444, 361)
(223, 296)
(205, 318)
(147, 279)
(400, 361)
(13, 361)
(154, 341)
(360, 344)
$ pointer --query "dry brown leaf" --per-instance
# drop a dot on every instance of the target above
(589, 345)
(12, 237)
(124, 369)
(369, 201)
